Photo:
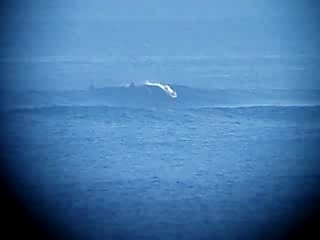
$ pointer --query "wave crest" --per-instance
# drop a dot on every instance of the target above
(165, 87)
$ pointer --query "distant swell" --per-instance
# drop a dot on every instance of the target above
(58, 108)
(153, 95)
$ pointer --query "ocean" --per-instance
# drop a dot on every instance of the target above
(169, 120)
(132, 162)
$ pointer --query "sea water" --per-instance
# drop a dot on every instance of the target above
(133, 163)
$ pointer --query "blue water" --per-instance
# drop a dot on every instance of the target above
(133, 163)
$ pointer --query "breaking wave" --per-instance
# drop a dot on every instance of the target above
(165, 87)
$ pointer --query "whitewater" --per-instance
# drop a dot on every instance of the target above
(165, 87)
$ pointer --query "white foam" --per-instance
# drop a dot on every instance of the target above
(165, 87)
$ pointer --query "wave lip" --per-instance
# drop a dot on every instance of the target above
(165, 87)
